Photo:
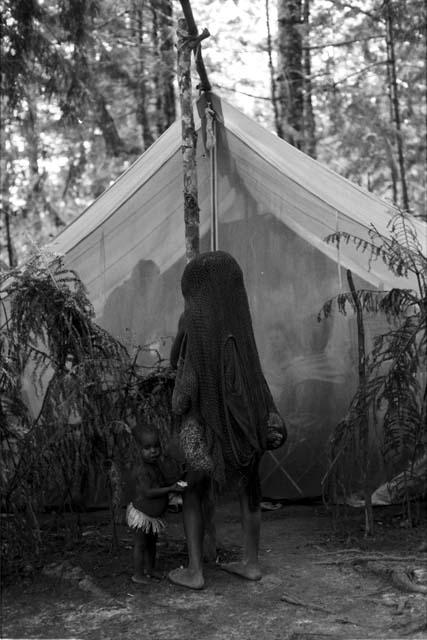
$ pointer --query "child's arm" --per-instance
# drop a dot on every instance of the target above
(158, 492)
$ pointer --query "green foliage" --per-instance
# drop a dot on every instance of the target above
(91, 395)
(395, 389)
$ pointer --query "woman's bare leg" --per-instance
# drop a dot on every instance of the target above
(209, 540)
(192, 576)
(251, 525)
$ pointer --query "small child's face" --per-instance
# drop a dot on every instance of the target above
(150, 447)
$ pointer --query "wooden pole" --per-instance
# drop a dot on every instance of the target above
(188, 40)
(205, 85)
(189, 142)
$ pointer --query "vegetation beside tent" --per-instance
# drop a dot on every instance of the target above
(93, 392)
(96, 390)
(394, 390)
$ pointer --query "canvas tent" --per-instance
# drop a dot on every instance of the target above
(275, 206)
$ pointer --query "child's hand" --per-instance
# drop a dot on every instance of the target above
(180, 486)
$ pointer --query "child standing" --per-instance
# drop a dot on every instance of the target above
(150, 501)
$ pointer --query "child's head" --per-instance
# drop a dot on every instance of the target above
(148, 439)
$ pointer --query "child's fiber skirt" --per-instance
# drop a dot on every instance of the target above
(138, 520)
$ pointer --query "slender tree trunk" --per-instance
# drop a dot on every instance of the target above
(114, 145)
(309, 121)
(273, 86)
(189, 142)
(142, 93)
(394, 173)
(290, 78)
(34, 197)
(364, 426)
(5, 180)
(164, 45)
(10, 251)
(394, 95)
(156, 75)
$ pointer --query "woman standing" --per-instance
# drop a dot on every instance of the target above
(228, 417)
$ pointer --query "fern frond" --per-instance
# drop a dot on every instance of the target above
(397, 363)
(401, 252)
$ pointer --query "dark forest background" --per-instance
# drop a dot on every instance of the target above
(88, 85)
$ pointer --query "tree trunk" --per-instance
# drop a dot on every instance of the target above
(309, 122)
(141, 91)
(163, 41)
(291, 90)
(114, 145)
(5, 181)
(394, 97)
(273, 86)
(10, 251)
(394, 173)
(189, 142)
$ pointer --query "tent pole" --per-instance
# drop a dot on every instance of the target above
(193, 33)
(188, 40)
(214, 191)
(189, 142)
(191, 40)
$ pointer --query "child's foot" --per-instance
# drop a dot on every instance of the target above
(187, 578)
(153, 575)
(249, 572)
(140, 579)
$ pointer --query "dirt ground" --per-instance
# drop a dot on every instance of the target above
(319, 582)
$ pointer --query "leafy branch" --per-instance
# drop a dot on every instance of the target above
(91, 396)
(392, 388)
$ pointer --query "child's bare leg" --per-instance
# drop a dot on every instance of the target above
(251, 524)
(150, 557)
(139, 554)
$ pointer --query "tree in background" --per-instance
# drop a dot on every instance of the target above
(290, 78)
(295, 122)
(86, 87)
(370, 95)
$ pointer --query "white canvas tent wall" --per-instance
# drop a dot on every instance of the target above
(275, 207)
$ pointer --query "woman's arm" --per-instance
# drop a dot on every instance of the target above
(176, 346)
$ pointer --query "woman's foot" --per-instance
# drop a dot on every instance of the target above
(187, 578)
(247, 571)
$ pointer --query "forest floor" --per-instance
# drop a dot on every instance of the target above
(320, 581)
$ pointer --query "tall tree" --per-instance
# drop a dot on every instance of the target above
(164, 45)
(394, 96)
(290, 78)
(309, 119)
(79, 77)
(356, 105)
